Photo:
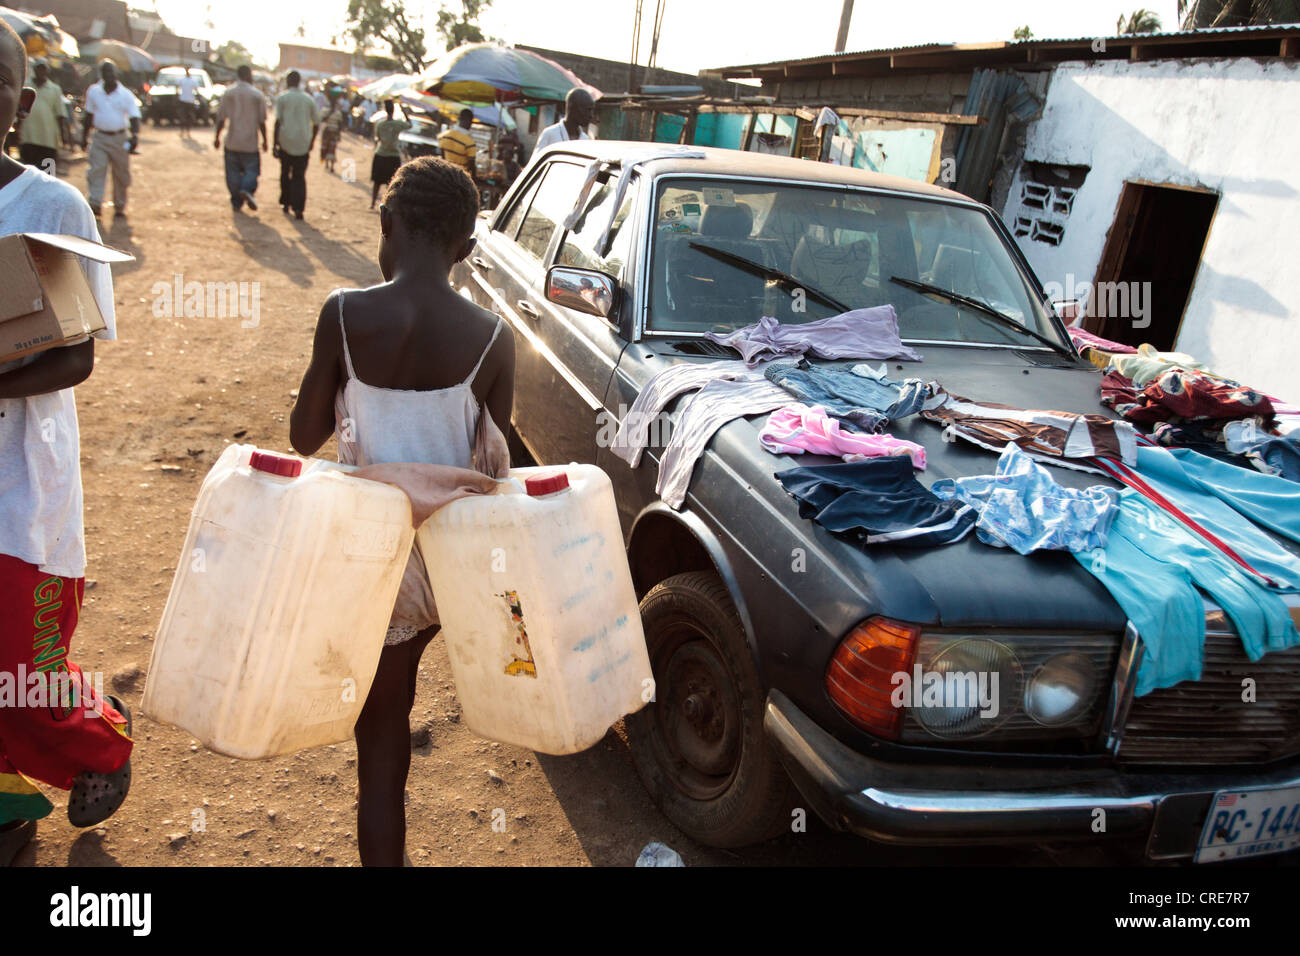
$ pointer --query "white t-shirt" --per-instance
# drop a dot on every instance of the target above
(187, 86)
(112, 111)
(556, 133)
(40, 480)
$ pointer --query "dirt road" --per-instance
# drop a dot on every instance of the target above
(163, 402)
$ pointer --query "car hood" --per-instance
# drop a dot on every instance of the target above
(964, 584)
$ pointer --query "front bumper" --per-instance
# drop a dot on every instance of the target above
(936, 804)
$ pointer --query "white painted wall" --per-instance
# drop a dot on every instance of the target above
(1227, 125)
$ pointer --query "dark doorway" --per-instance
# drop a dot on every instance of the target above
(1157, 238)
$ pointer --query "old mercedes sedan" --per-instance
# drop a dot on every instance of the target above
(611, 263)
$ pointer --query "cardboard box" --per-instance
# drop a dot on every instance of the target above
(45, 299)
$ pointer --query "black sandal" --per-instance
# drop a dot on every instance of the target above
(97, 796)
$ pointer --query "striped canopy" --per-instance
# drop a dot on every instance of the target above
(487, 73)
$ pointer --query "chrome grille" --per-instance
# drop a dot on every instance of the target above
(1206, 721)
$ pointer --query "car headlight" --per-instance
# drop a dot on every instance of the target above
(968, 689)
(997, 690)
(1060, 689)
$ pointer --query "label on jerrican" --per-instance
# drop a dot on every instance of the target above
(371, 539)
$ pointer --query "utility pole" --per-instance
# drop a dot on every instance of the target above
(654, 40)
(636, 50)
(842, 37)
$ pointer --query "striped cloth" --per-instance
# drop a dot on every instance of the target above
(1056, 438)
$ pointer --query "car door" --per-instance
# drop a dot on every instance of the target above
(563, 359)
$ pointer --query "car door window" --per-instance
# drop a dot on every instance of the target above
(579, 247)
(553, 201)
(510, 226)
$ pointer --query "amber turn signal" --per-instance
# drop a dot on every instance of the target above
(859, 678)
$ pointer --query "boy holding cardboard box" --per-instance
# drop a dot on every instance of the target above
(72, 741)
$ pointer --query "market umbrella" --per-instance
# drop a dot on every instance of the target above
(450, 110)
(124, 55)
(39, 37)
(386, 86)
(487, 73)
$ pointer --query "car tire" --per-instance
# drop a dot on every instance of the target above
(699, 746)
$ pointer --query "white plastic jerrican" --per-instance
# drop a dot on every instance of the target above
(278, 609)
(538, 611)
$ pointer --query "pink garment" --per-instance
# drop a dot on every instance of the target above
(795, 429)
(861, 334)
(1083, 338)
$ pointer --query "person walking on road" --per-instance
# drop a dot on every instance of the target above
(244, 107)
(188, 105)
(332, 118)
(46, 124)
(113, 112)
(296, 123)
(387, 154)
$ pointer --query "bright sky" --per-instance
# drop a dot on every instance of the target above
(696, 34)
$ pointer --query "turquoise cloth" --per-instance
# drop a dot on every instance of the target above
(1153, 566)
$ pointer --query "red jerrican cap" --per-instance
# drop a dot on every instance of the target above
(539, 485)
(275, 464)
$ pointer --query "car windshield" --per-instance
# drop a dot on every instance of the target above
(727, 252)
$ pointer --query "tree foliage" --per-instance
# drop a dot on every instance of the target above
(1139, 21)
(1199, 14)
(1023, 33)
(461, 28)
(377, 21)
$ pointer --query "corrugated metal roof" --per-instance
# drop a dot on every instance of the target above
(1210, 33)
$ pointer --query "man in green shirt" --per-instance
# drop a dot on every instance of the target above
(296, 121)
(46, 125)
(388, 155)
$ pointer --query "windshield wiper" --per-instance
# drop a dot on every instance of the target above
(749, 265)
(984, 309)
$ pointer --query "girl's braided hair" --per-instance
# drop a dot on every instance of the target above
(434, 198)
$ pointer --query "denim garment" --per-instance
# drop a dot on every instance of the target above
(876, 501)
(241, 175)
(1023, 508)
(868, 403)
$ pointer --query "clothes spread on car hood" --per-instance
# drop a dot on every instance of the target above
(1084, 339)
(724, 391)
(1022, 507)
(877, 500)
(1147, 364)
(1057, 438)
(858, 334)
(643, 417)
(1222, 504)
(796, 429)
(1180, 394)
(864, 397)
(1153, 566)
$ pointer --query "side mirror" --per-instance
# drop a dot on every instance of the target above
(583, 290)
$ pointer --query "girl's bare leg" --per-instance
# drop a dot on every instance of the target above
(383, 733)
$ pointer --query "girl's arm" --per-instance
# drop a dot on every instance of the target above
(311, 422)
(55, 369)
(500, 398)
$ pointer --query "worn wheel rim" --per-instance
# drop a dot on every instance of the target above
(697, 714)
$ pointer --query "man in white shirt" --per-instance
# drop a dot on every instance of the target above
(189, 102)
(70, 744)
(114, 113)
(579, 110)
